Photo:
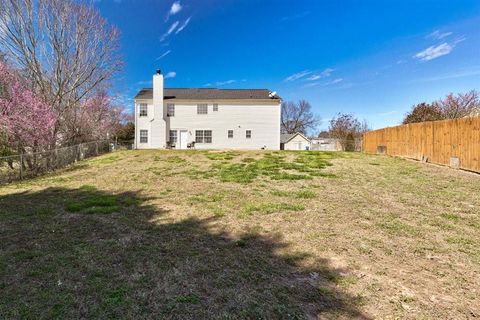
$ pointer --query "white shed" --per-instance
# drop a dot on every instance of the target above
(294, 141)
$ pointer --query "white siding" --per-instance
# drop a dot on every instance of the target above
(297, 143)
(262, 120)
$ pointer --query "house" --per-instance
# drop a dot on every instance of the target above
(294, 141)
(184, 118)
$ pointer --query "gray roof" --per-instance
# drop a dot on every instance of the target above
(207, 94)
(285, 137)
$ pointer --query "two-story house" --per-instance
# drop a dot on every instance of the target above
(206, 118)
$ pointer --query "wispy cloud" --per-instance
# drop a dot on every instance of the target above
(183, 26)
(297, 75)
(324, 74)
(296, 16)
(336, 81)
(437, 35)
(174, 9)
(319, 83)
(437, 51)
(222, 83)
(172, 28)
(163, 55)
(171, 74)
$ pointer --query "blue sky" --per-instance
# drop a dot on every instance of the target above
(371, 58)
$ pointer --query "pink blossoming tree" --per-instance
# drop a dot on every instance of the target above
(26, 121)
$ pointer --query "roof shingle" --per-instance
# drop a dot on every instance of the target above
(208, 94)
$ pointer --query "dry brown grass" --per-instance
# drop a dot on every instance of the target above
(172, 234)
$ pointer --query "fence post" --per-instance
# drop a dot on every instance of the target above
(21, 166)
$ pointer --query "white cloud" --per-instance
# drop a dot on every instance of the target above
(144, 83)
(336, 81)
(325, 73)
(183, 26)
(318, 83)
(163, 55)
(172, 28)
(439, 35)
(222, 83)
(434, 52)
(314, 77)
(171, 74)
(298, 75)
(174, 9)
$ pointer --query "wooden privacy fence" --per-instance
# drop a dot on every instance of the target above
(454, 142)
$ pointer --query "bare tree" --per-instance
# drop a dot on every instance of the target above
(458, 106)
(348, 130)
(298, 117)
(65, 48)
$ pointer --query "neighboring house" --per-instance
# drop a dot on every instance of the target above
(325, 144)
(206, 118)
(294, 141)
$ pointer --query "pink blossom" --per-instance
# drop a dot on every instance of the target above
(27, 120)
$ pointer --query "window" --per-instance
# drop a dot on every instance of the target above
(170, 110)
(230, 134)
(202, 108)
(173, 136)
(143, 110)
(143, 136)
(248, 134)
(203, 136)
(215, 107)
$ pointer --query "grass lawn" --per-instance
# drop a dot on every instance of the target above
(241, 235)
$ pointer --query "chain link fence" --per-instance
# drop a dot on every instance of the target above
(331, 144)
(28, 165)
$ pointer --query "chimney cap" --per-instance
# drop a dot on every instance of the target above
(158, 71)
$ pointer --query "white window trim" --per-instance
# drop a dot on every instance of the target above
(140, 105)
(203, 136)
(202, 105)
(173, 108)
(143, 136)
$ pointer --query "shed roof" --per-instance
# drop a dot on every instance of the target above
(285, 137)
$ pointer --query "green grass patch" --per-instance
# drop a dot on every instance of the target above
(93, 202)
(273, 165)
(229, 155)
(305, 194)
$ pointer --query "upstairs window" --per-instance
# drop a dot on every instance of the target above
(248, 134)
(170, 110)
(143, 136)
(203, 136)
(230, 134)
(143, 110)
(202, 108)
(215, 107)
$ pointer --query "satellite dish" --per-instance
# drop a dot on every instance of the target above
(272, 94)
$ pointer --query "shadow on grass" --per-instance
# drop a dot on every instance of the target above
(63, 258)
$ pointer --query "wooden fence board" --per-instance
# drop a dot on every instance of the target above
(437, 140)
